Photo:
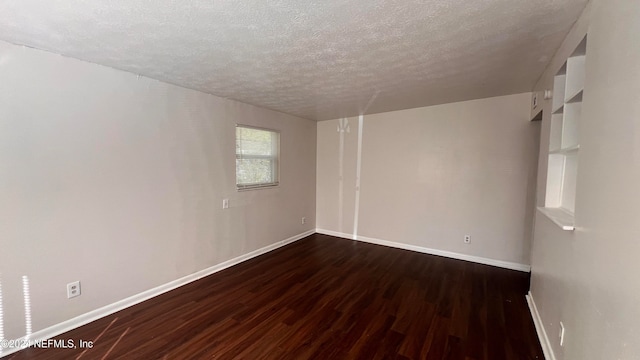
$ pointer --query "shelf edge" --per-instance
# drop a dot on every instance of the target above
(577, 97)
(559, 217)
(558, 110)
(565, 150)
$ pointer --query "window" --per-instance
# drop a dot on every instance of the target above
(257, 157)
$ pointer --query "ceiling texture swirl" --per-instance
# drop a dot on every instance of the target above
(314, 59)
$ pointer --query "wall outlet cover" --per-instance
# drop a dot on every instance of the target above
(73, 289)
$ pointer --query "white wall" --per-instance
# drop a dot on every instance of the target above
(431, 175)
(588, 279)
(118, 182)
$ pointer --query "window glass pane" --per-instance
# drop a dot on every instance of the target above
(254, 171)
(253, 141)
(257, 152)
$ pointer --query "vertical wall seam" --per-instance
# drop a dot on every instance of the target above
(358, 172)
(343, 126)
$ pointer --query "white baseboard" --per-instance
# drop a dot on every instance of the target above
(96, 314)
(449, 254)
(542, 334)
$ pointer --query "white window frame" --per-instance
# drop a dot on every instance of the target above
(275, 160)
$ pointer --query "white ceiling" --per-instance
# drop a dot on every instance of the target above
(311, 58)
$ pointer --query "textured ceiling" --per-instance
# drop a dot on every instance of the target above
(310, 58)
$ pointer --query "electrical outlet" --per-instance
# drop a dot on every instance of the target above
(467, 239)
(225, 203)
(73, 289)
(561, 334)
(304, 220)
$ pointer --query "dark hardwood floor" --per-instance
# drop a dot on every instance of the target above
(324, 298)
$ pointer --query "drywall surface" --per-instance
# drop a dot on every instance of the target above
(431, 175)
(588, 279)
(314, 59)
(118, 182)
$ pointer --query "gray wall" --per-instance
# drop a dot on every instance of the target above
(118, 182)
(431, 175)
(588, 279)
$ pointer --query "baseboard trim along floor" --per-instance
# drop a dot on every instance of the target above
(425, 250)
(323, 297)
(542, 334)
(60, 328)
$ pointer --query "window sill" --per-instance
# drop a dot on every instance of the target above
(257, 187)
(560, 217)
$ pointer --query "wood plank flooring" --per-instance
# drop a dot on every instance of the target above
(324, 298)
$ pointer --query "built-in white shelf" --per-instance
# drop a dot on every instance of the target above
(576, 98)
(555, 175)
(560, 217)
(564, 139)
(570, 122)
(581, 49)
(575, 77)
(565, 151)
(575, 71)
(559, 83)
(555, 134)
(570, 176)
